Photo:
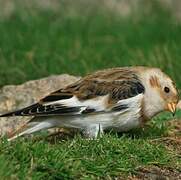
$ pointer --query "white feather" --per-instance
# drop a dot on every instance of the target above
(98, 103)
(122, 121)
(33, 127)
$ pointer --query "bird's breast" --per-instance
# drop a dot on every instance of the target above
(126, 121)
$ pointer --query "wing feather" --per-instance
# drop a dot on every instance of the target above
(99, 92)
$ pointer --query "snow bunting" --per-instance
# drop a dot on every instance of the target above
(117, 99)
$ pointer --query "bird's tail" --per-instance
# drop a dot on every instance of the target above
(29, 128)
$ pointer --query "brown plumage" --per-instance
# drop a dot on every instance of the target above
(119, 83)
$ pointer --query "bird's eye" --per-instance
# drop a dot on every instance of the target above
(167, 90)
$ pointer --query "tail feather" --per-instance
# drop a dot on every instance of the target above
(30, 128)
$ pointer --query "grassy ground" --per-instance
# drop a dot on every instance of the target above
(35, 44)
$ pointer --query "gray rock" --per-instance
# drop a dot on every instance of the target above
(14, 97)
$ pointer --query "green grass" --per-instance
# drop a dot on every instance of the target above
(36, 43)
(76, 158)
(79, 158)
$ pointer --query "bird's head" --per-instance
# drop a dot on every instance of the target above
(168, 92)
(160, 92)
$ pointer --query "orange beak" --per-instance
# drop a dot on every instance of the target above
(172, 108)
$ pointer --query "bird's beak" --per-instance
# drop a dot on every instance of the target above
(172, 108)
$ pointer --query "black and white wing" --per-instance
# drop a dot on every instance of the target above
(100, 92)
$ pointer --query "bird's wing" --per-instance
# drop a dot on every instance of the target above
(103, 91)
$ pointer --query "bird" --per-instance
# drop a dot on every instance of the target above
(118, 99)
